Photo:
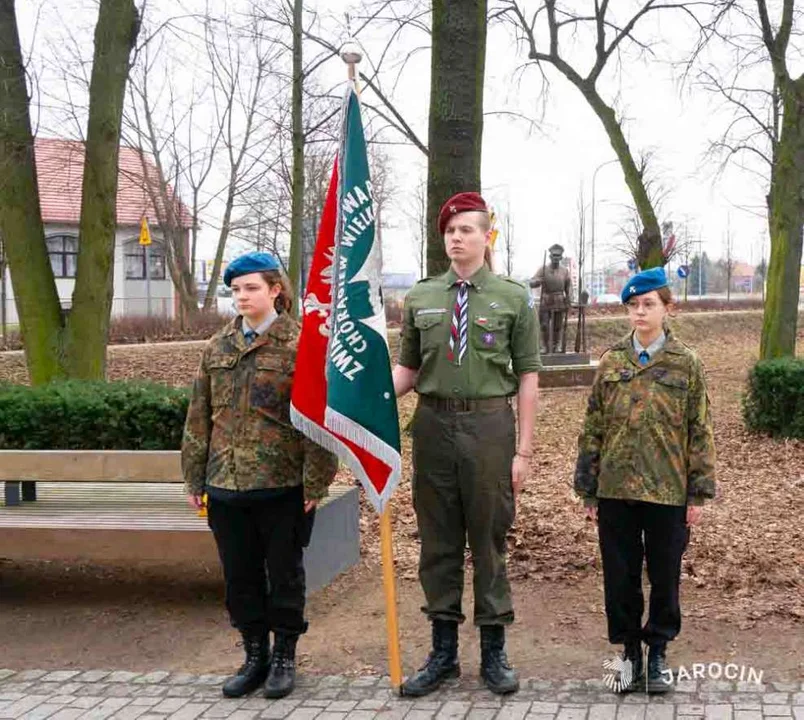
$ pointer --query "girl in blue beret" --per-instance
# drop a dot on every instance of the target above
(262, 477)
(646, 464)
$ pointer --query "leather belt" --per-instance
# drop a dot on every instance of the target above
(464, 404)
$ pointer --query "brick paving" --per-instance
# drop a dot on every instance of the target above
(158, 695)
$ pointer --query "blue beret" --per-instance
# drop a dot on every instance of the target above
(253, 262)
(644, 282)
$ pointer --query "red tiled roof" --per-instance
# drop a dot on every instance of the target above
(741, 269)
(60, 173)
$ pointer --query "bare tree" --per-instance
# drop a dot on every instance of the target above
(768, 127)
(549, 31)
(56, 346)
(728, 258)
(580, 242)
(416, 217)
(508, 240)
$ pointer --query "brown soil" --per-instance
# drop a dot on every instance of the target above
(743, 584)
(172, 618)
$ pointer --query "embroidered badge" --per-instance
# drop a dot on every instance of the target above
(482, 321)
(431, 311)
(489, 338)
(494, 305)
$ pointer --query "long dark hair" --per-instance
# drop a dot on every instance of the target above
(284, 301)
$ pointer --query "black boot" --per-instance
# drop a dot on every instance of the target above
(254, 671)
(441, 664)
(494, 668)
(660, 677)
(635, 679)
(282, 677)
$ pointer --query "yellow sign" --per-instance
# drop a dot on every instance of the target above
(145, 233)
(494, 230)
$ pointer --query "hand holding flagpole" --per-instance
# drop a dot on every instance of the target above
(351, 55)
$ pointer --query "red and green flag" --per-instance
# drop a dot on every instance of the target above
(343, 395)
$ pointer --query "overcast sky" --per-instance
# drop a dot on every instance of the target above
(539, 174)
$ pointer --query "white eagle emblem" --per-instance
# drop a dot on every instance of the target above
(313, 305)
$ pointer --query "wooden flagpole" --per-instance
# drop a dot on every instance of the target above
(351, 55)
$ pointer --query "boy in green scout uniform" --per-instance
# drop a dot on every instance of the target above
(470, 342)
(646, 464)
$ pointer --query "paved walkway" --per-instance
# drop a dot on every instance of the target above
(102, 694)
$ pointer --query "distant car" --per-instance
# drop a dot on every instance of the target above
(606, 299)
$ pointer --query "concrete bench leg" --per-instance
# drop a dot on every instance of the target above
(28, 490)
(12, 493)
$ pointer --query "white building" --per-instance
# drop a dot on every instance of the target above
(60, 172)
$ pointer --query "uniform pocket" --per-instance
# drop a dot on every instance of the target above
(669, 398)
(271, 387)
(490, 334)
(221, 379)
(616, 396)
(432, 329)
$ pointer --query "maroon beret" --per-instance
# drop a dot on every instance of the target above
(462, 202)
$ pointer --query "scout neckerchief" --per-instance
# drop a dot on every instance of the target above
(459, 330)
(250, 334)
(644, 354)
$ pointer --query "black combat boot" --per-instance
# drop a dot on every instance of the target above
(282, 677)
(254, 670)
(441, 664)
(494, 668)
(660, 677)
(635, 680)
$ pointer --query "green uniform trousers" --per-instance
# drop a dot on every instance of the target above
(462, 489)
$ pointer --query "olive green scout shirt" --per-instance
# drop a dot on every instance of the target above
(503, 338)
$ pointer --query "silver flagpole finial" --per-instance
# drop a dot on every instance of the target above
(350, 52)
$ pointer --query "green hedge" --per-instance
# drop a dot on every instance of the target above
(77, 415)
(774, 402)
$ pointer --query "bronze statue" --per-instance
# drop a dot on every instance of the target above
(554, 281)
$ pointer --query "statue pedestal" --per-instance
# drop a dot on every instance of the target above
(563, 370)
(567, 358)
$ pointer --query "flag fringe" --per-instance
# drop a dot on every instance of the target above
(323, 437)
(360, 436)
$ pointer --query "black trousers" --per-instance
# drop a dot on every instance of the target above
(261, 547)
(629, 532)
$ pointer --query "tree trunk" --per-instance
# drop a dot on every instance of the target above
(35, 292)
(649, 246)
(456, 112)
(297, 180)
(785, 218)
(88, 324)
(226, 226)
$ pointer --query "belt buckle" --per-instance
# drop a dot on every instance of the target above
(458, 405)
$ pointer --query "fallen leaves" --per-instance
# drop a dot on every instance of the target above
(746, 559)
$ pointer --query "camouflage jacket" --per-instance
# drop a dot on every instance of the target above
(648, 430)
(238, 433)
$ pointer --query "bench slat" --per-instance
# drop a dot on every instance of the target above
(130, 466)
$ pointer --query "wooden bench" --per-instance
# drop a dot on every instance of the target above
(126, 506)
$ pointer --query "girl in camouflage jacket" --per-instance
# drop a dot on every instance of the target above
(262, 477)
(645, 465)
